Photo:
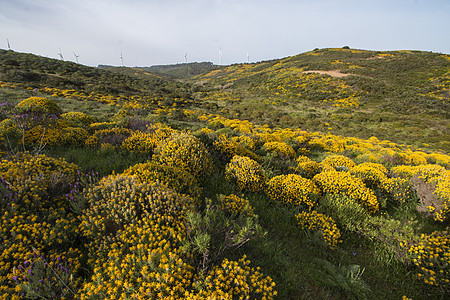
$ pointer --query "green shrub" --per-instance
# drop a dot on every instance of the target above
(246, 173)
(38, 105)
(185, 151)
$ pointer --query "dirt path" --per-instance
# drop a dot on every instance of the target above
(334, 73)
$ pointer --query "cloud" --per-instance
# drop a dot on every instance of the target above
(161, 32)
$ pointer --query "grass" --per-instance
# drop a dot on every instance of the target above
(88, 159)
(304, 268)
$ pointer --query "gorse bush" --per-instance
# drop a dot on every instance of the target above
(46, 278)
(141, 142)
(36, 222)
(246, 173)
(37, 181)
(233, 279)
(175, 178)
(334, 182)
(78, 119)
(431, 256)
(280, 148)
(236, 205)
(10, 135)
(146, 141)
(184, 151)
(119, 200)
(114, 136)
(38, 105)
(293, 189)
(372, 174)
(153, 252)
(55, 135)
(307, 168)
(312, 220)
(230, 148)
(338, 161)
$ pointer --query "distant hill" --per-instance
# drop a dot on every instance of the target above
(37, 71)
(183, 71)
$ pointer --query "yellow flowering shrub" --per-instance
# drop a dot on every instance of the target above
(236, 279)
(432, 257)
(328, 143)
(141, 142)
(246, 173)
(429, 173)
(398, 189)
(230, 148)
(114, 136)
(280, 148)
(185, 151)
(338, 161)
(436, 175)
(47, 276)
(372, 174)
(293, 189)
(118, 200)
(417, 159)
(245, 141)
(55, 135)
(312, 220)
(102, 125)
(144, 262)
(307, 168)
(35, 180)
(38, 105)
(10, 134)
(334, 182)
(35, 219)
(175, 178)
(236, 205)
(443, 192)
(77, 119)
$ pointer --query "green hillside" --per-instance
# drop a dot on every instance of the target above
(318, 176)
(401, 96)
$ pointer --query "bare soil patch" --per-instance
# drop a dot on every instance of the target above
(333, 73)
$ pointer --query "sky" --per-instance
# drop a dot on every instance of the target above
(155, 32)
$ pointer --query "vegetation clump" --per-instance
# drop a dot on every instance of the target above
(246, 173)
(38, 105)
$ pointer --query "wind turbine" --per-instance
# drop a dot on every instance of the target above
(9, 46)
(121, 58)
(185, 57)
(76, 56)
(220, 56)
(60, 54)
(248, 58)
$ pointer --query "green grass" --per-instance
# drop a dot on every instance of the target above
(88, 159)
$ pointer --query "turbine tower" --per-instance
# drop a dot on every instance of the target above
(76, 56)
(248, 58)
(60, 54)
(220, 56)
(9, 46)
(185, 57)
(121, 58)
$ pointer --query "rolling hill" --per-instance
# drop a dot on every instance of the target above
(318, 176)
